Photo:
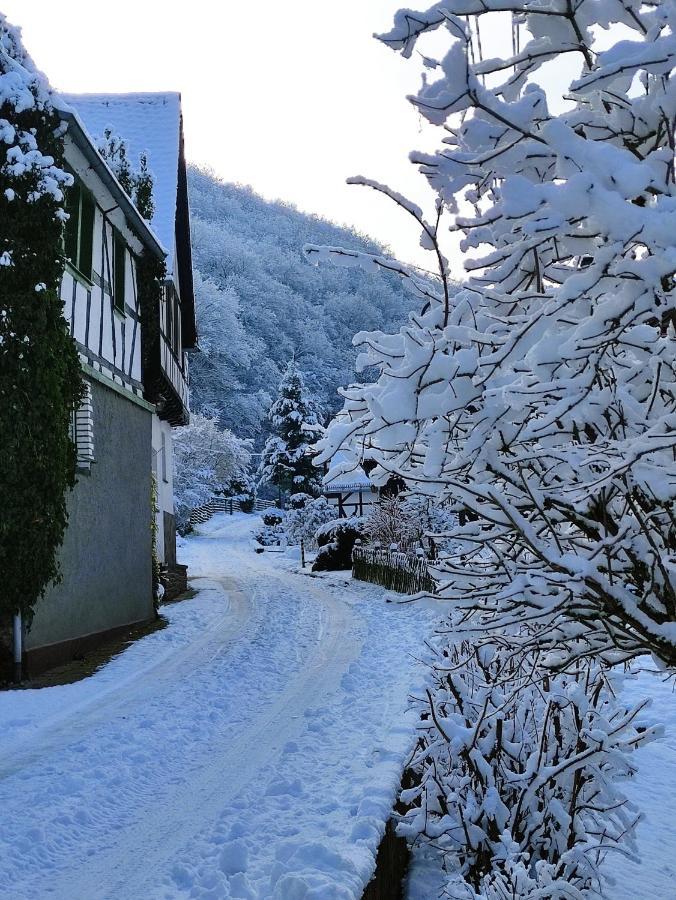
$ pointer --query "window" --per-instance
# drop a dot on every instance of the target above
(119, 269)
(79, 240)
(164, 458)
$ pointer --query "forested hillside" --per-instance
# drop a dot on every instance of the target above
(259, 301)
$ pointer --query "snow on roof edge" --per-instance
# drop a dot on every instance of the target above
(62, 106)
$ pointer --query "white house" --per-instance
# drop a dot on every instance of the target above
(153, 123)
(135, 367)
(351, 491)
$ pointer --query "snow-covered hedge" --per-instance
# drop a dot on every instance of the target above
(40, 373)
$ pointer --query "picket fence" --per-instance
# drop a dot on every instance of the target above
(223, 504)
(394, 570)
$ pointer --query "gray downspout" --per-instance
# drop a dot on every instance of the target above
(18, 647)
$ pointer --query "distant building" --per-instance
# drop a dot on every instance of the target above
(135, 367)
(352, 492)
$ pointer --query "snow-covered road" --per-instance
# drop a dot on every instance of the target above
(252, 749)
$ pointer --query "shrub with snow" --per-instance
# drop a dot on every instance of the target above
(395, 521)
(302, 521)
(336, 540)
(273, 532)
(518, 773)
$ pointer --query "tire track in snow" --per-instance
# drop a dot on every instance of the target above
(63, 729)
(126, 856)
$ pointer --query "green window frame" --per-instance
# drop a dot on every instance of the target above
(79, 234)
(119, 270)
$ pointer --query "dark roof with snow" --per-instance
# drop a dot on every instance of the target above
(153, 122)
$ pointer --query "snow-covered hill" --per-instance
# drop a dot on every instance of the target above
(259, 301)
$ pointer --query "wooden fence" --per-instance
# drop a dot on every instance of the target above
(396, 571)
(223, 504)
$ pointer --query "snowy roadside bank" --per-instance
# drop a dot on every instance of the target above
(253, 749)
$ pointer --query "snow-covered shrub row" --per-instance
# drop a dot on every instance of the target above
(519, 773)
(208, 460)
(258, 302)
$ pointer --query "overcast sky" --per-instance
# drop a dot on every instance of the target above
(290, 98)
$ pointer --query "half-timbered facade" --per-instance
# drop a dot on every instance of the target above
(152, 123)
(352, 492)
(107, 552)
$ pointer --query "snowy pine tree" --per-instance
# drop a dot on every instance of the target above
(138, 183)
(287, 459)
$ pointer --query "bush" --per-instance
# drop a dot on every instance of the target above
(303, 520)
(517, 772)
(272, 534)
(272, 518)
(300, 501)
(247, 503)
(336, 540)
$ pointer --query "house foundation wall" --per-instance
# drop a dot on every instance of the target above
(106, 556)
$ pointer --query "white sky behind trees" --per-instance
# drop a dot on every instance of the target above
(291, 98)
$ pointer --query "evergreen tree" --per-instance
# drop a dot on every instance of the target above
(287, 457)
(138, 184)
(143, 188)
(40, 376)
(113, 149)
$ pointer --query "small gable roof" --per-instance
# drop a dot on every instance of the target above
(343, 477)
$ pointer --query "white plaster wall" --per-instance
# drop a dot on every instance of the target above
(163, 467)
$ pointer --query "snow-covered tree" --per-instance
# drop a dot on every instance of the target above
(40, 373)
(540, 398)
(287, 460)
(208, 460)
(538, 403)
(137, 182)
(259, 303)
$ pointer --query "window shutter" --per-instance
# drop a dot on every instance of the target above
(73, 223)
(86, 234)
(84, 430)
(119, 275)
